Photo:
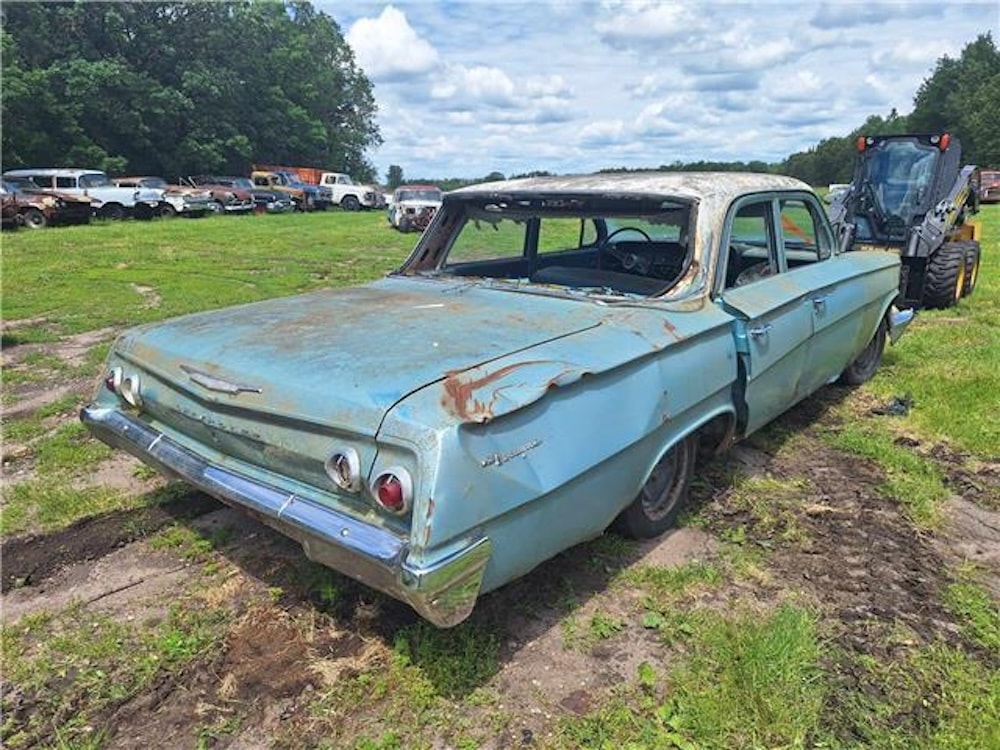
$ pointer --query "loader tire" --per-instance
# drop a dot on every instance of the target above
(945, 280)
(972, 253)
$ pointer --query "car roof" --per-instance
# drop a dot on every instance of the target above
(691, 185)
(48, 172)
(418, 187)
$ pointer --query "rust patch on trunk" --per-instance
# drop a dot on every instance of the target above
(460, 395)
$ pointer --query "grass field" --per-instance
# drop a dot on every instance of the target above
(748, 646)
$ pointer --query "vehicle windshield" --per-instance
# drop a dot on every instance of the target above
(153, 182)
(419, 195)
(593, 245)
(898, 175)
(94, 180)
(19, 183)
(238, 182)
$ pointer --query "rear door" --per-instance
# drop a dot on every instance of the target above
(773, 319)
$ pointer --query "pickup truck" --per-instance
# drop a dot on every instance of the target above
(107, 200)
(550, 361)
(349, 195)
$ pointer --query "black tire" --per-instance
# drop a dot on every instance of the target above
(350, 203)
(945, 278)
(404, 224)
(166, 211)
(972, 256)
(34, 218)
(864, 366)
(663, 496)
(113, 211)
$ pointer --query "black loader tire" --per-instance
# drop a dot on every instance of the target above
(972, 254)
(863, 368)
(663, 496)
(945, 276)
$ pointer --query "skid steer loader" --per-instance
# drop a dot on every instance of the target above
(910, 194)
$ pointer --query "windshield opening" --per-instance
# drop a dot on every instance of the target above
(608, 245)
(898, 175)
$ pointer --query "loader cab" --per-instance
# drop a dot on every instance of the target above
(897, 180)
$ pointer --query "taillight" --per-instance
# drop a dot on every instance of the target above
(113, 380)
(393, 490)
(344, 469)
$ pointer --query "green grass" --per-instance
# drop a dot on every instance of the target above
(93, 276)
(72, 667)
(747, 682)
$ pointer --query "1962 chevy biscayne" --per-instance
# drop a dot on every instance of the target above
(548, 362)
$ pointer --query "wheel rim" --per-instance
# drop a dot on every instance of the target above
(960, 282)
(34, 220)
(660, 492)
(970, 281)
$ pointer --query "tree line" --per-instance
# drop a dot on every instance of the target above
(170, 88)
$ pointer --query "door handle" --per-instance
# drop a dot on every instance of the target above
(759, 331)
(819, 302)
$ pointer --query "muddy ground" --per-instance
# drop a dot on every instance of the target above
(853, 555)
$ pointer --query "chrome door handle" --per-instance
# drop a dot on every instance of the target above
(819, 302)
(759, 331)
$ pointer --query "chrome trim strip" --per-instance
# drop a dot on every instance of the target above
(443, 591)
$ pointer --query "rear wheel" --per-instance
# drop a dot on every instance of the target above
(945, 279)
(972, 252)
(663, 496)
(113, 211)
(33, 218)
(863, 368)
(166, 211)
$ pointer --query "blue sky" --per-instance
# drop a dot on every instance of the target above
(467, 88)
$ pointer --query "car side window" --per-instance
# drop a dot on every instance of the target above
(556, 234)
(490, 238)
(752, 253)
(804, 238)
(64, 182)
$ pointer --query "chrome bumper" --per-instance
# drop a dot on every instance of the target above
(898, 321)
(443, 591)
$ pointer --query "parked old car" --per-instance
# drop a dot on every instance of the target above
(546, 364)
(226, 199)
(183, 200)
(37, 208)
(989, 186)
(107, 200)
(413, 206)
(265, 199)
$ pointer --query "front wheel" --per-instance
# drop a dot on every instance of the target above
(663, 496)
(34, 219)
(945, 281)
(350, 203)
(863, 368)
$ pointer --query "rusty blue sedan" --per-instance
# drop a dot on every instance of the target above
(548, 363)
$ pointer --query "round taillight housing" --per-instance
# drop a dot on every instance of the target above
(129, 390)
(113, 379)
(393, 490)
(344, 469)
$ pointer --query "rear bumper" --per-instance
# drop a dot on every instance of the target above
(898, 321)
(443, 591)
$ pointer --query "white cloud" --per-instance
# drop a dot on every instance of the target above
(388, 48)
(465, 88)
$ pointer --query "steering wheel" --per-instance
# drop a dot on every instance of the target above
(628, 261)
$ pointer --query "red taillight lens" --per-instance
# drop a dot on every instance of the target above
(390, 493)
(861, 143)
(945, 140)
(393, 490)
